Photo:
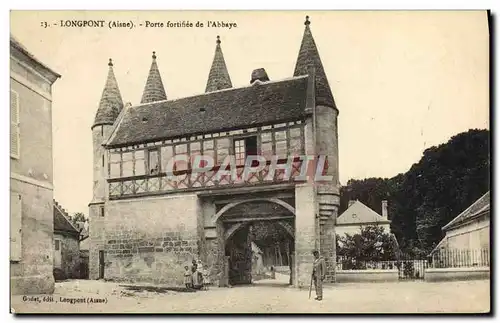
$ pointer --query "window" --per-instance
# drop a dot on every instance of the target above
(102, 160)
(195, 150)
(281, 145)
(239, 151)
(181, 163)
(127, 164)
(14, 125)
(222, 149)
(57, 245)
(115, 160)
(154, 162)
(140, 168)
(15, 226)
(101, 211)
(208, 149)
(243, 148)
(266, 146)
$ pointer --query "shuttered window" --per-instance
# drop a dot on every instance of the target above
(15, 226)
(14, 125)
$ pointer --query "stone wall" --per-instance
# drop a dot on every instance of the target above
(305, 234)
(70, 255)
(367, 276)
(149, 239)
(453, 274)
(33, 273)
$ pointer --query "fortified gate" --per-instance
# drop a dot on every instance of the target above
(158, 204)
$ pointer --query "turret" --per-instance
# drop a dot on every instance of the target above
(325, 143)
(218, 78)
(154, 90)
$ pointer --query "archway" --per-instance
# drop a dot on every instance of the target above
(259, 241)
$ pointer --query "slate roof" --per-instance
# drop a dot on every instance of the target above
(309, 55)
(111, 100)
(61, 222)
(258, 104)
(479, 207)
(154, 90)
(218, 78)
(358, 213)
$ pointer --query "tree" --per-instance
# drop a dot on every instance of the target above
(372, 244)
(78, 217)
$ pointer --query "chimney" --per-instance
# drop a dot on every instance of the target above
(384, 210)
(259, 74)
(351, 202)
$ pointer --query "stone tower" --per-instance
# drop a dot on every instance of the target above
(110, 106)
(326, 134)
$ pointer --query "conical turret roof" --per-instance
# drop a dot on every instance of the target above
(154, 90)
(309, 56)
(218, 78)
(111, 100)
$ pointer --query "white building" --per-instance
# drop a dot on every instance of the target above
(358, 215)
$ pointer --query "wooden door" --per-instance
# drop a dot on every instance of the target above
(57, 253)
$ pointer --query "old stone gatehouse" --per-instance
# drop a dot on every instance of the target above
(146, 224)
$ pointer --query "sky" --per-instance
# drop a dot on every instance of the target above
(403, 81)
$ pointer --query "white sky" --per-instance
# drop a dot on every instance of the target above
(403, 81)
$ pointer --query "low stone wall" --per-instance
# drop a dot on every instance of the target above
(447, 274)
(367, 275)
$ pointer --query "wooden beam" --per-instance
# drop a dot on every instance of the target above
(269, 218)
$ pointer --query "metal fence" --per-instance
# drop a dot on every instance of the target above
(411, 267)
(408, 267)
(454, 258)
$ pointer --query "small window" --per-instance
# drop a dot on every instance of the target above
(57, 245)
(102, 160)
(102, 131)
(101, 211)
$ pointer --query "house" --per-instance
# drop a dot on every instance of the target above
(467, 237)
(66, 245)
(31, 173)
(357, 215)
(156, 205)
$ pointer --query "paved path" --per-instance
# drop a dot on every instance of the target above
(402, 297)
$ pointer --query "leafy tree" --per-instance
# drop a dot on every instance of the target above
(78, 217)
(371, 244)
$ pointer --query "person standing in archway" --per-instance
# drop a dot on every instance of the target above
(318, 274)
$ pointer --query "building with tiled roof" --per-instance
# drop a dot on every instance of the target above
(467, 236)
(358, 216)
(66, 245)
(156, 206)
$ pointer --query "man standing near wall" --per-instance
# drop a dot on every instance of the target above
(318, 274)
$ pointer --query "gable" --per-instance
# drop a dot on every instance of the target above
(358, 213)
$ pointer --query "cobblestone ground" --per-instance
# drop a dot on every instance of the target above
(270, 297)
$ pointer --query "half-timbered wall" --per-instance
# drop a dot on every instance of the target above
(141, 169)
